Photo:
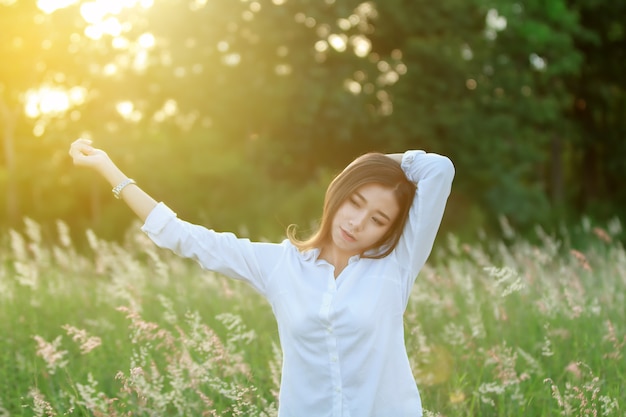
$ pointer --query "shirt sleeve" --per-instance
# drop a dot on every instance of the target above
(220, 252)
(433, 175)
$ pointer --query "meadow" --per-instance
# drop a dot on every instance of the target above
(507, 327)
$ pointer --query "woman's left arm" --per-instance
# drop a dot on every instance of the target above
(433, 175)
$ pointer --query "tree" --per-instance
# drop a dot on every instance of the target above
(486, 84)
(597, 165)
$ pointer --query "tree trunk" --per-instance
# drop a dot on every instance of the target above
(8, 120)
(556, 171)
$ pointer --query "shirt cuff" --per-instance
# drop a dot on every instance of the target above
(157, 219)
(407, 161)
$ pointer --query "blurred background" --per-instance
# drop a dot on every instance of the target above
(237, 113)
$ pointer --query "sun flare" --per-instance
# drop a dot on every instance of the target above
(101, 7)
(100, 15)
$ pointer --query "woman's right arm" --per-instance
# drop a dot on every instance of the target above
(219, 252)
(86, 155)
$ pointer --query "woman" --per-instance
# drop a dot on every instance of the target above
(339, 296)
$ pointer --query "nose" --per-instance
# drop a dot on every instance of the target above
(358, 220)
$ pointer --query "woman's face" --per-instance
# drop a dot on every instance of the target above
(363, 219)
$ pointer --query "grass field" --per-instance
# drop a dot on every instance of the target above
(495, 328)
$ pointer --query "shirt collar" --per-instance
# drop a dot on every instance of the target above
(312, 255)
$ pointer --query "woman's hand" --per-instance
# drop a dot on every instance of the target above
(83, 154)
(86, 155)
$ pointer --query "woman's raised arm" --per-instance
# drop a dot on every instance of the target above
(86, 155)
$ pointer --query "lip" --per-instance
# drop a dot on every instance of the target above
(347, 235)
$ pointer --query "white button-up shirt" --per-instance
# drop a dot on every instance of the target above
(342, 339)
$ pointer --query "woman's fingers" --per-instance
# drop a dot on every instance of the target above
(80, 145)
(80, 150)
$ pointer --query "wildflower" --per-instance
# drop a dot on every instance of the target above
(428, 413)
(506, 277)
(618, 345)
(504, 360)
(27, 274)
(546, 348)
(51, 354)
(583, 399)
(18, 245)
(574, 369)
(533, 365)
(90, 398)
(63, 231)
(507, 230)
(41, 407)
(87, 343)
(602, 235)
(582, 259)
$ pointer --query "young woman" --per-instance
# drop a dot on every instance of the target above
(339, 296)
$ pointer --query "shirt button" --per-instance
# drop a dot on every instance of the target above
(329, 329)
(333, 358)
(338, 389)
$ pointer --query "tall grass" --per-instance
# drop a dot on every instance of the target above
(494, 328)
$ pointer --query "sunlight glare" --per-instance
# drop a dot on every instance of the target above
(50, 6)
(222, 46)
(127, 110)
(47, 100)
(170, 107)
(282, 69)
(344, 24)
(537, 62)
(353, 86)
(140, 62)
(466, 52)
(232, 59)
(109, 69)
(321, 46)
(146, 40)
(77, 95)
(39, 129)
(93, 32)
(101, 16)
(112, 26)
(388, 78)
(120, 43)
(91, 12)
(362, 46)
(494, 23)
(338, 42)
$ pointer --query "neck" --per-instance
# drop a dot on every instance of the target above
(337, 259)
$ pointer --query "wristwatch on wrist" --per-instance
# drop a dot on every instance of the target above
(119, 187)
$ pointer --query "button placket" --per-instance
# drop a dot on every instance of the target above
(331, 344)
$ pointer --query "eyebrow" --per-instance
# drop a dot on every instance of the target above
(356, 193)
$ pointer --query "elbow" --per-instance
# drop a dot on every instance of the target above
(446, 167)
(450, 169)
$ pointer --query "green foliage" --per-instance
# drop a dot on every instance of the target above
(492, 328)
(243, 104)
